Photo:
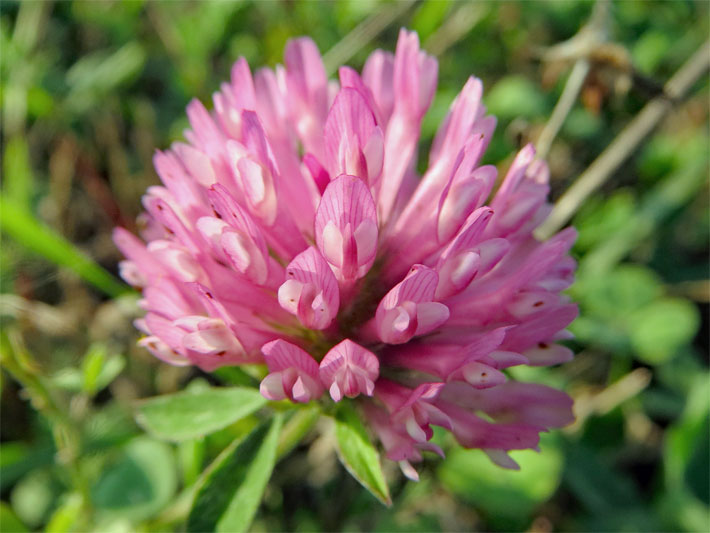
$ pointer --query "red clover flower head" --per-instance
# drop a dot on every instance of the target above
(293, 230)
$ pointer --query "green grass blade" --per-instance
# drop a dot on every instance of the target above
(26, 230)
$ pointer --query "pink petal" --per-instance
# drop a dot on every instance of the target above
(539, 328)
(461, 197)
(271, 387)
(297, 372)
(197, 163)
(548, 354)
(456, 127)
(516, 173)
(414, 75)
(407, 309)
(346, 227)
(514, 401)
(240, 240)
(354, 143)
(377, 76)
(310, 290)
(162, 351)
(317, 171)
(348, 369)
(133, 248)
(307, 89)
(349, 78)
(482, 376)
(280, 355)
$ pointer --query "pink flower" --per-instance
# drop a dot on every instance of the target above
(292, 230)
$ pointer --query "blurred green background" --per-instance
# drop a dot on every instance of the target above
(91, 89)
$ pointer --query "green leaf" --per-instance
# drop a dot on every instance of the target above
(230, 495)
(191, 455)
(66, 517)
(515, 96)
(26, 230)
(660, 329)
(358, 455)
(472, 476)
(139, 484)
(650, 49)
(97, 371)
(598, 486)
(300, 423)
(9, 521)
(34, 497)
(615, 294)
(189, 415)
(17, 459)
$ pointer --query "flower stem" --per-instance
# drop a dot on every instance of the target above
(626, 142)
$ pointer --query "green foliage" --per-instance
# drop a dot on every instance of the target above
(660, 329)
(189, 415)
(139, 483)
(515, 96)
(472, 476)
(22, 226)
(229, 495)
(9, 521)
(34, 496)
(97, 371)
(358, 454)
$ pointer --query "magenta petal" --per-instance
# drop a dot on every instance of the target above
(457, 125)
(310, 290)
(408, 310)
(297, 371)
(353, 141)
(348, 369)
(346, 227)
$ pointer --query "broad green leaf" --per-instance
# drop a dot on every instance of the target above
(38, 238)
(660, 329)
(471, 475)
(139, 484)
(9, 523)
(685, 503)
(515, 96)
(598, 219)
(97, 371)
(358, 454)
(617, 293)
(229, 495)
(191, 455)
(189, 415)
(243, 507)
(34, 497)
(598, 486)
(582, 124)
(687, 434)
(650, 49)
(65, 518)
(17, 459)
